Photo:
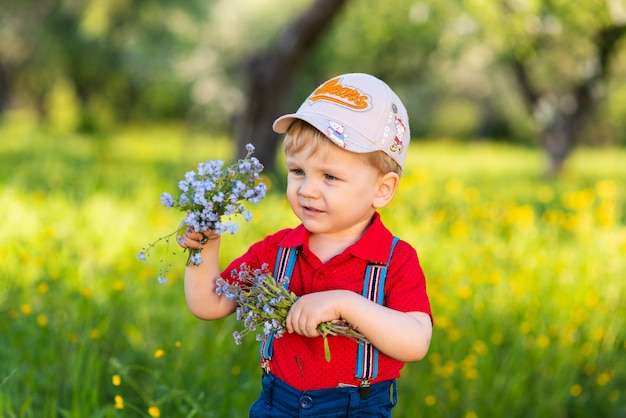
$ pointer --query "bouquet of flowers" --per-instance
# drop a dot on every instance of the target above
(264, 301)
(209, 197)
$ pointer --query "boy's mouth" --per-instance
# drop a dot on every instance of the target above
(311, 209)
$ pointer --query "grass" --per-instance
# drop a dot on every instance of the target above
(525, 277)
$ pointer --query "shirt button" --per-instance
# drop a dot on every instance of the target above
(306, 402)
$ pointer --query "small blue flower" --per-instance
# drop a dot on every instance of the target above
(190, 176)
(230, 209)
(240, 313)
(196, 259)
(199, 198)
(245, 166)
(250, 322)
(183, 185)
(218, 198)
(231, 294)
(231, 227)
(167, 200)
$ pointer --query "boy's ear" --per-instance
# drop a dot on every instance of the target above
(387, 186)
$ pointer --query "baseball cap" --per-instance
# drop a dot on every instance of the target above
(359, 113)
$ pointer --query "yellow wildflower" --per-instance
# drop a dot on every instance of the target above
(43, 288)
(86, 292)
(604, 379)
(42, 320)
(576, 390)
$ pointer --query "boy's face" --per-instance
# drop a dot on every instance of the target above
(332, 192)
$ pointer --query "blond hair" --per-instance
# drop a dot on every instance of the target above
(303, 137)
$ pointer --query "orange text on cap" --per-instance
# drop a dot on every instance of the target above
(334, 92)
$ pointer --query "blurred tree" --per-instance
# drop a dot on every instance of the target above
(120, 57)
(20, 54)
(5, 87)
(557, 55)
(270, 75)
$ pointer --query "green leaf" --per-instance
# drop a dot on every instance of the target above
(326, 350)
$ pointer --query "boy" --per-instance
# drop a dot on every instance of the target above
(345, 149)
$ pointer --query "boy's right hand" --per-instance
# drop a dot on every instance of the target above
(194, 239)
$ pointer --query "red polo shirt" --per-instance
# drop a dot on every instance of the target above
(299, 360)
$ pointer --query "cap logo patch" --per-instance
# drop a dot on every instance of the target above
(400, 126)
(332, 91)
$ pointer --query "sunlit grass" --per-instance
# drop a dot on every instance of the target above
(525, 277)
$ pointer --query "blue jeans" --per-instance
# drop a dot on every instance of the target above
(280, 400)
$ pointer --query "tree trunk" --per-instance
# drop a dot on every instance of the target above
(270, 74)
(560, 133)
(5, 89)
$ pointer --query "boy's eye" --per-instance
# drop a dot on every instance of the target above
(297, 171)
(330, 177)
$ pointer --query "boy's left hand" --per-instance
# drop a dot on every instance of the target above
(314, 308)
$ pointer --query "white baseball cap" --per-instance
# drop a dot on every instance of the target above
(359, 113)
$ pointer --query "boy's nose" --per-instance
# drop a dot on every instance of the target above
(308, 188)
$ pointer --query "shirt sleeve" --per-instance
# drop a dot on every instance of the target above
(405, 288)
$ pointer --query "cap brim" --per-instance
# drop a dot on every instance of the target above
(283, 123)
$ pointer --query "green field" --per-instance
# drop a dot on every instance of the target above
(526, 278)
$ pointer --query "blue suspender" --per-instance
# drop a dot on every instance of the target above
(373, 289)
(285, 262)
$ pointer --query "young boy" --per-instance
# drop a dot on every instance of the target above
(345, 149)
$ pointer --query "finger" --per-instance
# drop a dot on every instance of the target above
(311, 330)
(289, 321)
(182, 241)
(209, 234)
(189, 241)
(305, 326)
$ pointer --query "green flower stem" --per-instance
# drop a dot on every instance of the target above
(326, 350)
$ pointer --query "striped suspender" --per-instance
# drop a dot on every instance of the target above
(367, 355)
(285, 261)
(373, 289)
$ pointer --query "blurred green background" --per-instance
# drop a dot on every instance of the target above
(540, 73)
(513, 196)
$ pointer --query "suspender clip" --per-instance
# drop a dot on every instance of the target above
(364, 388)
(265, 365)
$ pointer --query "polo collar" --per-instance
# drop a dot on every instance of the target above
(372, 246)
